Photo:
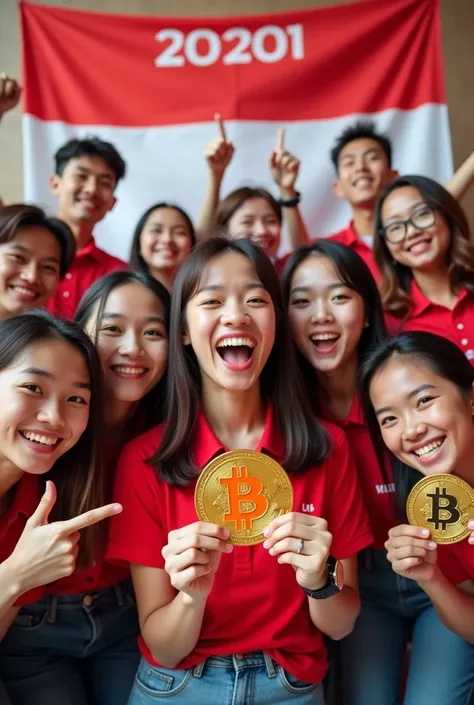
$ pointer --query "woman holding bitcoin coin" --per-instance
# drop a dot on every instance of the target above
(418, 397)
(336, 319)
(238, 572)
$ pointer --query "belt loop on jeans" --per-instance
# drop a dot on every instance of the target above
(52, 609)
(368, 559)
(119, 594)
(270, 666)
(199, 669)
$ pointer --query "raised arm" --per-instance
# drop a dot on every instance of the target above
(459, 184)
(284, 168)
(218, 154)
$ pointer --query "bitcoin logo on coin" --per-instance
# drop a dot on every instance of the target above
(444, 504)
(444, 509)
(243, 491)
(246, 500)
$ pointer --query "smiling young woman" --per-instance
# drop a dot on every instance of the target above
(418, 396)
(51, 423)
(35, 254)
(88, 642)
(233, 384)
(422, 247)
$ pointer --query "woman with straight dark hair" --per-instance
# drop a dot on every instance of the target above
(35, 253)
(219, 622)
(51, 423)
(163, 238)
(423, 250)
(95, 627)
(418, 397)
(252, 212)
(336, 317)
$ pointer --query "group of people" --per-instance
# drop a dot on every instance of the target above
(349, 362)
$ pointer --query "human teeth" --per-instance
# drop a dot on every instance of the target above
(130, 370)
(25, 292)
(325, 336)
(39, 439)
(236, 342)
(429, 448)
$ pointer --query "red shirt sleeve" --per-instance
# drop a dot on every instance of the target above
(137, 535)
(451, 564)
(348, 520)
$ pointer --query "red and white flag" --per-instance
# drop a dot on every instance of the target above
(151, 85)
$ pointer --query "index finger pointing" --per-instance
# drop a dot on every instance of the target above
(280, 145)
(88, 518)
(220, 126)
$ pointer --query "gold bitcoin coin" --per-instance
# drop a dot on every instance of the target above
(444, 504)
(243, 491)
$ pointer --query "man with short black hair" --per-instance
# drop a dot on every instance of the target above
(87, 172)
(362, 158)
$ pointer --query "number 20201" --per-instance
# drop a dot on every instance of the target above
(267, 44)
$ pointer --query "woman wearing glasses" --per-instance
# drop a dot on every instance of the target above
(423, 250)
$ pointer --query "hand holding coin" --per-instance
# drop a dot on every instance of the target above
(303, 541)
(192, 556)
(411, 552)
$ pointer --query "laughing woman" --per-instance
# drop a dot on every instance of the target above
(82, 637)
(418, 396)
(242, 623)
(336, 319)
(423, 250)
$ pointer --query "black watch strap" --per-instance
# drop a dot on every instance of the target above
(291, 202)
(330, 588)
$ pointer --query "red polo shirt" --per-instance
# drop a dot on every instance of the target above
(279, 264)
(350, 238)
(12, 523)
(456, 561)
(255, 603)
(379, 493)
(90, 264)
(456, 325)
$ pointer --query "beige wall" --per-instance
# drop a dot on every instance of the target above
(458, 46)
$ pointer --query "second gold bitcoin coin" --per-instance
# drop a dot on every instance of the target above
(444, 504)
(244, 491)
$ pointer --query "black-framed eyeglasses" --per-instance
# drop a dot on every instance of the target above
(424, 217)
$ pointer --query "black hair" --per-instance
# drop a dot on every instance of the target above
(440, 355)
(97, 294)
(307, 441)
(90, 146)
(136, 259)
(21, 215)
(356, 275)
(362, 129)
(77, 473)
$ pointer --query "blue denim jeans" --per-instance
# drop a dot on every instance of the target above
(242, 679)
(73, 650)
(373, 659)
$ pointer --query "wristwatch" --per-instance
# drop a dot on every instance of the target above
(290, 202)
(334, 584)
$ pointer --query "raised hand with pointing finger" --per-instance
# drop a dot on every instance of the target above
(284, 166)
(47, 551)
(220, 150)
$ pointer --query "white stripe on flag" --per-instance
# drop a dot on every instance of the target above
(167, 163)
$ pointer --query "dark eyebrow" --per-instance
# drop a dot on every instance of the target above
(376, 150)
(306, 289)
(219, 287)
(48, 375)
(150, 319)
(21, 248)
(103, 174)
(412, 394)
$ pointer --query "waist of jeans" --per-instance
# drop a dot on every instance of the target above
(117, 592)
(238, 662)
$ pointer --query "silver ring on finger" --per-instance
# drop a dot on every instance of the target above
(300, 546)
